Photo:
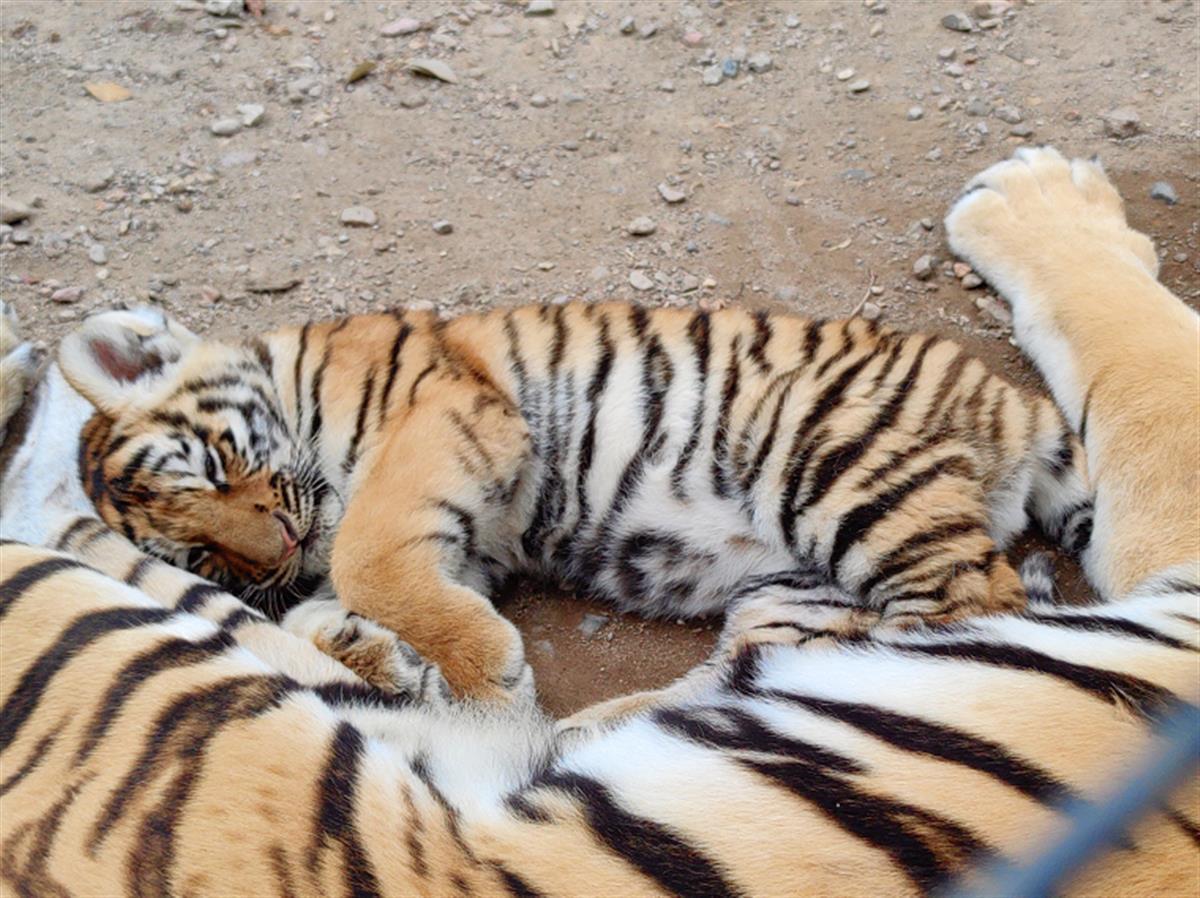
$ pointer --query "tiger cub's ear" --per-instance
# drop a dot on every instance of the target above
(119, 360)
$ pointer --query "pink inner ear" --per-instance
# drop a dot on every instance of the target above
(118, 366)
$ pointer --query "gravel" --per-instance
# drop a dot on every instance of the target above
(957, 21)
(592, 624)
(642, 226)
(671, 194)
(638, 280)
(859, 86)
(1162, 190)
(12, 211)
(1009, 115)
(225, 127)
(760, 62)
(443, 227)
(251, 113)
(97, 253)
(1122, 122)
(539, 7)
(358, 217)
(923, 269)
(915, 113)
(400, 27)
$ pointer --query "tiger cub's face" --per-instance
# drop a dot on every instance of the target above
(189, 455)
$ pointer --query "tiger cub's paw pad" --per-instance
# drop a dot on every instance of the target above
(374, 653)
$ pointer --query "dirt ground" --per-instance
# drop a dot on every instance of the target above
(801, 188)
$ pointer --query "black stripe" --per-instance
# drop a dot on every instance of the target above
(170, 655)
(1116, 625)
(318, 378)
(1120, 689)
(35, 758)
(595, 391)
(750, 478)
(914, 734)
(794, 471)
(196, 596)
(78, 526)
(675, 865)
(337, 795)
(517, 887)
(1189, 828)
(140, 569)
(927, 847)
(762, 336)
(841, 458)
(699, 336)
(857, 523)
(1087, 408)
(360, 421)
(297, 377)
(720, 442)
(81, 633)
(908, 553)
(30, 576)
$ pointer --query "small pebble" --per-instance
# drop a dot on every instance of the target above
(648, 31)
(859, 86)
(954, 70)
(760, 62)
(693, 38)
(639, 280)
(12, 211)
(1009, 115)
(791, 22)
(642, 226)
(1121, 123)
(225, 127)
(870, 311)
(978, 108)
(712, 75)
(97, 253)
(1162, 190)
(845, 74)
(961, 269)
(358, 217)
(729, 68)
(972, 281)
(399, 27)
(412, 100)
(251, 113)
(539, 7)
(592, 624)
(539, 101)
(957, 21)
(441, 226)
(923, 268)
(67, 295)
(671, 194)
(98, 181)
(915, 113)
(628, 25)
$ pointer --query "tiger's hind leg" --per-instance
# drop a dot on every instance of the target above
(791, 609)
(424, 528)
(1117, 349)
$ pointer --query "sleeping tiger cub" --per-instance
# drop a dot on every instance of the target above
(158, 737)
(664, 460)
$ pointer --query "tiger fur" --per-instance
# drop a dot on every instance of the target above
(664, 460)
(159, 737)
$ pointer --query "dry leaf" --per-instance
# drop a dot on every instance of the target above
(434, 68)
(107, 91)
(360, 71)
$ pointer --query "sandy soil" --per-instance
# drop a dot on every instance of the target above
(799, 193)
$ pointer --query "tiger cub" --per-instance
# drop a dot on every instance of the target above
(665, 460)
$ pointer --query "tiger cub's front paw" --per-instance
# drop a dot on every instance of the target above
(374, 653)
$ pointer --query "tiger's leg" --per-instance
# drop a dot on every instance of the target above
(1117, 349)
(419, 541)
(914, 543)
(799, 609)
(371, 652)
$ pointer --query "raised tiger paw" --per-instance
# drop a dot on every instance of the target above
(1040, 227)
(374, 653)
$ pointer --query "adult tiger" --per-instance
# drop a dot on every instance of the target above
(665, 460)
(165, 739)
